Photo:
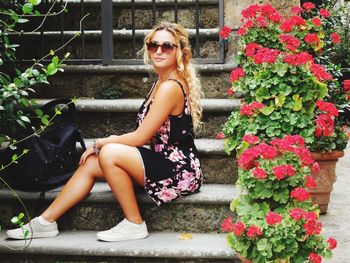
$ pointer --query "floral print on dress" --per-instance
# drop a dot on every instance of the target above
(174, 140)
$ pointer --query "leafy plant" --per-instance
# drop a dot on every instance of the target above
(275, 219)
(110, 93)
(279, 76)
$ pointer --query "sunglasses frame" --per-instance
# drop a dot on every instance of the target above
(164, 49)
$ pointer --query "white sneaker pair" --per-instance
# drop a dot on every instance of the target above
(125, 230)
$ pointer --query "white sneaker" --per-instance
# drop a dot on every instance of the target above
(39, 230)
(125, 230)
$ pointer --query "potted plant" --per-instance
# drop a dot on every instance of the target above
(275, 220)
(281, 78)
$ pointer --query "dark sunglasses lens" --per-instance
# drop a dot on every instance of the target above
(167, 47)
(152, 47)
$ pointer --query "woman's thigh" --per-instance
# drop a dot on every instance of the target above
(125, 157)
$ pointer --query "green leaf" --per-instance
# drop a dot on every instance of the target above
(281, 196)
(279, 101)
(262, 93)
(22, 20)
(14, 220)
(267, 110)
(14, 157)
(27, 8)
(323, 90)
(51, 69)
(25, 118)
(58, 111)
(35, 2)
(280, 69)
(298, 102)
(55, 60)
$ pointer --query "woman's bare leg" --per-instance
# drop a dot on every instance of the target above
(121, 165)
(77, 188)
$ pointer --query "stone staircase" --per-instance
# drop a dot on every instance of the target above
(200, 214)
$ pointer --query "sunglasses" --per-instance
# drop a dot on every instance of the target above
(166, 47)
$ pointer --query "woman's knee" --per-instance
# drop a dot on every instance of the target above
(109, 154)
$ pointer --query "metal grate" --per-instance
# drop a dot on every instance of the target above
(97, 44)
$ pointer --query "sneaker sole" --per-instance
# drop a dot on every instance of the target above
(40, 235)
(113, 239)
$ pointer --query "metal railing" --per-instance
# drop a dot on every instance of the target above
(106, 38)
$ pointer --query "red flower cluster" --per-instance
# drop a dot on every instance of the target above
(251, 49)
(220, 136)
(247, 159)
(324, 125)
(273, 218)
(296, 10)
(335, 38)
(241, 31)
(281, 171)
(300, 194)
(254, 231)
(225, 32)
(304, 155)
(261, 13)
(289, 142)
(310, 182)
(292, 43)
(298, 59)
(315, 258)
(312, 38)
(325, 12)
(312, 227)
(288, 24)
(320, 73)
(248, 109)
(267, 55)
(297, 213)
(317, 22)
(346, 84)
(239, 228)
(308, 6)
(236, 74)
(259, 173)
(230, 92)
(311, 216)
(327, 107)
(251, 139)
(332, 243)
(227, 225)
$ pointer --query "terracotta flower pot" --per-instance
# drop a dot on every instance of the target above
(325, 178)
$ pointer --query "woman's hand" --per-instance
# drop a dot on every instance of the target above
(89, 151)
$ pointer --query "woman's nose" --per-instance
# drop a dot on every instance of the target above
(159, 50)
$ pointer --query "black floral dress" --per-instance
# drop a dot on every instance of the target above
(171, 165)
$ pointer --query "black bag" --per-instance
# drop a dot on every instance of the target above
(50, 160)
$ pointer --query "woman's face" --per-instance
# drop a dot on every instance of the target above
(162, 50)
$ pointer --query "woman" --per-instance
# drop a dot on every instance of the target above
(168, 171)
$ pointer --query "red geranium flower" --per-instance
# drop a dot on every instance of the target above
(335, 38)
(297, 10)
(298, 59)
(236, 74)
(311, 216)
(230, 92)
(332, 243)
(315, 167)
(312, 38)
(327, 107)
(225, 32)
(310, 182)
(254, 231)
(251, 49)
(308, 6)
(248, 24)
(300, 194)
(320, 73)
(315, 258)
(313, 227)
(227, 225)
(251, 139)
(238, 228)
(273, 218)
(325, 12)
(292, 43)
(220, 136)
(248, 109)
(325, 125)
(251, 11)
(241, 31)
(297, 213)
(316, 21)
(281, 171)
(259, 173)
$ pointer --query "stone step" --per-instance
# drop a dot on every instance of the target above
(101, 118)
(82, 246)
(202, 212)
(218, 167)
(209, 45)
(127, 81)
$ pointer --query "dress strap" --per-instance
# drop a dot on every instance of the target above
(150, 92)
(183, 90)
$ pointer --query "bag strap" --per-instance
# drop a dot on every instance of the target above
(81, 140)
(71, 106)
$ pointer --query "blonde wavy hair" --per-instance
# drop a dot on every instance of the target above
(184, 66)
